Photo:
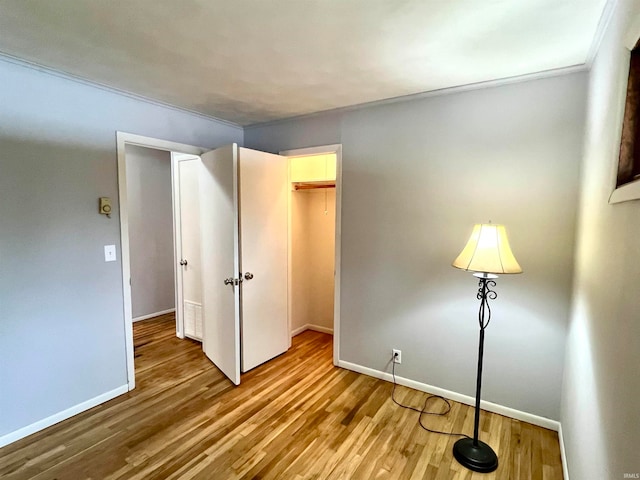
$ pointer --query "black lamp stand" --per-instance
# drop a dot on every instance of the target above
(471, 452)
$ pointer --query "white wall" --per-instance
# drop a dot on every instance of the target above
(150, 230)
(313, 255)
(62, 328)
(416, 176)
(299, 287)
(601, 389)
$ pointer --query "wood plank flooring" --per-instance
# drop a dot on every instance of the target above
(296, 417)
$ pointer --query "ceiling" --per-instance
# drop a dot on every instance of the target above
(252, 61)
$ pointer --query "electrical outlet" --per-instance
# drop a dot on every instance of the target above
(397, 355)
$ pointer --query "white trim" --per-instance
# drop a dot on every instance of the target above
(632, 34)
(309, 151)
(320, 328)
(5, 57)
(60, 416)
(458, 397)
(430, 93)
(122, 139)
(177, 243)
(151, 315)
(563, 454)
(299, 330)
(290, 254)
(555, 72)
(337, 149)
(338, 258)
(631, 190)
(603, 23)
(159, 144)
(624, 193)
(315, 328)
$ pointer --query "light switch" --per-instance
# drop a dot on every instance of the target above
(109, 253)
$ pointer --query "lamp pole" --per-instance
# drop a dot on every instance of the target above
(471, 452)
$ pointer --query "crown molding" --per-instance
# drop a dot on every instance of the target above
(8, 58)
(431, 93)
(603, 23)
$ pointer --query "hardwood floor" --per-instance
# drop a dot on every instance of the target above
(296, 417)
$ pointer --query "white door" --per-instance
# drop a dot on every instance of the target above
(264, 256)
(189, 261)
(220, 259)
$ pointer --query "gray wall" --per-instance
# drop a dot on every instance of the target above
(150, 230)
(416, 176)
(601, 390)
(62, 327)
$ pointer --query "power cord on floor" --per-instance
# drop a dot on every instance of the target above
(423, 411)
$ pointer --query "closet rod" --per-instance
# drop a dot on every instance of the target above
(310, 186)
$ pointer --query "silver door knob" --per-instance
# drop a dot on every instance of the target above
(248, 276)
(228, 281)
(183, 263)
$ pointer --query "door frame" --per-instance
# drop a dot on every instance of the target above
(309, 151)
(123, 139)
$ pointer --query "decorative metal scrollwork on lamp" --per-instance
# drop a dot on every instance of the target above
(487, 253)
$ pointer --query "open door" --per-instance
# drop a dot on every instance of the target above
(264, 256)
(219, 226)
(244, 228)
(189, 285)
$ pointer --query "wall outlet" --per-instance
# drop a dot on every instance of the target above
(397, 355)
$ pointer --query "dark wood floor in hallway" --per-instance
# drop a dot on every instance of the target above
(295, 417)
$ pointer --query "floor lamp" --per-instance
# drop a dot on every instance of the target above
(487, 253)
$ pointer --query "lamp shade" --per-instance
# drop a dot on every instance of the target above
(488, 251)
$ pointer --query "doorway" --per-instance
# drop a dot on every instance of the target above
(151, 241)
(315, 178)
(122, 141)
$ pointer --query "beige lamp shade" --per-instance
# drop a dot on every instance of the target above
(488, 251)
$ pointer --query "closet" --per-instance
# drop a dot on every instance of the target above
(312, 242)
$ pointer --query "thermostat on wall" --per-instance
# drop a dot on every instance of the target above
(105, 206)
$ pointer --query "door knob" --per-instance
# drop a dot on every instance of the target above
(228, 281)
(248, 276)
(183, 262)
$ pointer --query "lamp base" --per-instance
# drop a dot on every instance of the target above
(480, 458)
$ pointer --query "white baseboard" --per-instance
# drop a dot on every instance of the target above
(151, 315)
(299, 330)
(563, 454)
(321, 329)
(458, 397)
(60, 416)
(315, 328)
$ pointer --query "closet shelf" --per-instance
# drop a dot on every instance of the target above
(311, 185)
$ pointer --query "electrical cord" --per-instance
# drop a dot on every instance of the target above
(423, 411)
